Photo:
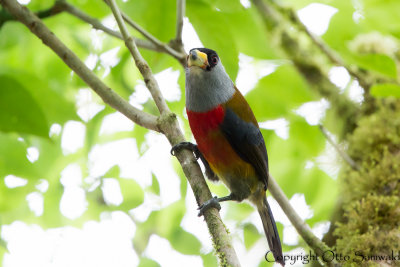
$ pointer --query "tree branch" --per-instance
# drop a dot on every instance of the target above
(343, 154)
(170, 127)
(180, 13)
(37, 27)
(45, 13)
(63, 6)
(302, 228)
(96, 24)
(141, 64)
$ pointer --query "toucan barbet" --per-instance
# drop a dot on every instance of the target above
(229, 141)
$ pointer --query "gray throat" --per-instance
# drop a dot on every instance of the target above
(207, 89)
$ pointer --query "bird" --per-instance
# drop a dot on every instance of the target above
(229, 141)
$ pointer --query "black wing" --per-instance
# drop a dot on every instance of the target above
(248, 142)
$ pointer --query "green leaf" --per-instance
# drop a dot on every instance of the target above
(169, 218)
(13, 204)
(19, 112)
(299, 4)
(343, 20)
(376, 62)
(52, 216)
(99, 10)
(209, 260)
(113, 172)
(157, 17)
(49, 96)
(320, 192)
(132, 192)
(385, 90)
(382, 17)
(251, 235)
(93, 128)
(146, 262)
(249, 34)
(13, 158)
(308, 139)
(162, 222)
(139, 134)
(14, 36)
(155, 185)
(278, 93)
(239, 211)
(184, 242)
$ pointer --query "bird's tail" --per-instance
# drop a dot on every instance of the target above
(270, 231)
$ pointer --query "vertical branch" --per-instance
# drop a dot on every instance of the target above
(180, 13)
(142, 65)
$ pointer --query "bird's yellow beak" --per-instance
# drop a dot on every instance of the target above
(197, 58)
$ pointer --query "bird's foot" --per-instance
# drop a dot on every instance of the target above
(211, 203)
(186, 145)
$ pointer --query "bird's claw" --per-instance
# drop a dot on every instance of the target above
(211, 203)
(192, 147)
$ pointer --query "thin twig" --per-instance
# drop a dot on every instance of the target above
(141, 64)
(109, 96)
(179, 56)
(164, 47)
(180, 13)
(343, 154)
(96, 24)
(302, 228)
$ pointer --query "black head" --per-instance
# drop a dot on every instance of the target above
(212, 57)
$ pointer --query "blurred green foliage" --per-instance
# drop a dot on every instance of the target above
(38, 91)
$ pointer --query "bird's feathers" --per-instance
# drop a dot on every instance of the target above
(242, 132)
(228, 136)
(205, 90)
(271, 232)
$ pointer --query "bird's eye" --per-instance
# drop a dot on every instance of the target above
(214, 60)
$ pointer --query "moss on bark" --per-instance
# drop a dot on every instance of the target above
(371, 199)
